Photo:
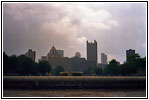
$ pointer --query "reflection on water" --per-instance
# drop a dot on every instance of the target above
(74, 93)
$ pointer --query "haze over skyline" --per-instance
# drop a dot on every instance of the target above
(115, 26)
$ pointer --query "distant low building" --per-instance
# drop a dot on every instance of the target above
(64, 62)
(77, 63)
(101, 65)
(45, 58)
(31, 54)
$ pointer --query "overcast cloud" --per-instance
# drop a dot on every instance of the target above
(115, 26)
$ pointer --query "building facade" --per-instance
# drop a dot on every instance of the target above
(78, 63)
(129, 53)
(60, 52)
(55, 58)
(92, 53)
(45, 58)
(103, 58)
(64, 62)
(31, 54)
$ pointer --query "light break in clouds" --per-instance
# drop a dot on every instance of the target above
(115, 26)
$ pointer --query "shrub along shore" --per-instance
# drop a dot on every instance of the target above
(74, 82)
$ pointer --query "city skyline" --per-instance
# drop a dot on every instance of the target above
(117, 27)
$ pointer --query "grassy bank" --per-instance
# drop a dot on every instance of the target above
(100, 82)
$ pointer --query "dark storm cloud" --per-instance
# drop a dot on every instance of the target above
(115, 26)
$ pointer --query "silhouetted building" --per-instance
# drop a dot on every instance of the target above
(92, 53)
(78, 63)
(31, 54)
(129, 53)
(64, 62)
(103, 58)
(43, 58)
(101, 65)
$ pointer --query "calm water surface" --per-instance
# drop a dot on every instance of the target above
(74, 93)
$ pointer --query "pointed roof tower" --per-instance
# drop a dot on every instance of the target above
(53, 49)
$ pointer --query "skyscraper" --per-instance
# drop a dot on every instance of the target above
(103, 58)
(92, 53)
(55, 53)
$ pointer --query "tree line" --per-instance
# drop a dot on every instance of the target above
(133, 66)
(24, 66)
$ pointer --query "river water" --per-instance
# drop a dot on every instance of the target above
(75, 93)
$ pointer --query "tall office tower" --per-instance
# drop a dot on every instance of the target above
(92, 53)
(129, 53)
(103, 58)
(31, 54)
(53, 53)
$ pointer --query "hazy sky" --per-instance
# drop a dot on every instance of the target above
(115, 26)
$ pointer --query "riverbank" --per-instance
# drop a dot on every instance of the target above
(74, 82)
(75, 93)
